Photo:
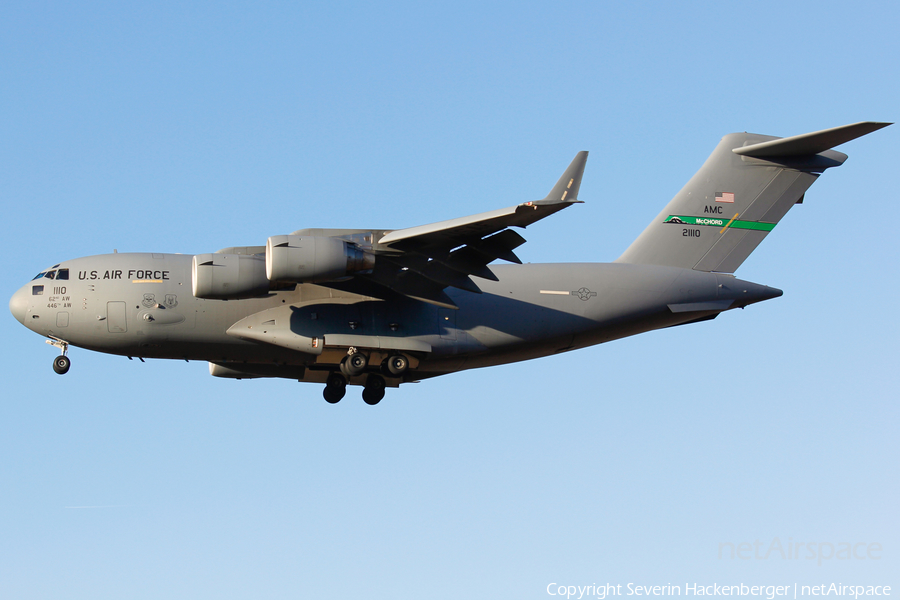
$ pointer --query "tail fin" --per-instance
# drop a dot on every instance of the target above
(737, 197)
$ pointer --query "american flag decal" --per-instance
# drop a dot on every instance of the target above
(725, 197)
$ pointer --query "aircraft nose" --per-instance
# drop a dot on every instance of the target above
(18, 304)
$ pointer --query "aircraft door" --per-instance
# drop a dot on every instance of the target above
(115, 317)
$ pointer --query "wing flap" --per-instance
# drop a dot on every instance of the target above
(500, 246)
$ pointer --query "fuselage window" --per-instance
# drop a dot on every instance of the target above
(37, 290)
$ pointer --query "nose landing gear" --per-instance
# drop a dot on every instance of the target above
(61, 363)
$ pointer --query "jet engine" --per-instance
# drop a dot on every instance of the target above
(229, 276)
(308, 259)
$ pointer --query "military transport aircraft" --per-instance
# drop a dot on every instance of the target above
(378, 308)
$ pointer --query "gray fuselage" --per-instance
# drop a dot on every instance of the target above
(141, 305)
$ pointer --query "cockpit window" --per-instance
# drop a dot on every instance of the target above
(53, 274)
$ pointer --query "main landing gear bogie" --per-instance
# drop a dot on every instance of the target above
(356, 363)
(336, 388)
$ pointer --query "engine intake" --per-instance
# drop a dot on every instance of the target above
(229, 276)
(308, 259)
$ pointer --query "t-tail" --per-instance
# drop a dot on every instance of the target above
(742, 191)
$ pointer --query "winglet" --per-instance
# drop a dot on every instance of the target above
(809, 143)
(566, 189)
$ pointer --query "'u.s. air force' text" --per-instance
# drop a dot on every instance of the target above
(118, 274)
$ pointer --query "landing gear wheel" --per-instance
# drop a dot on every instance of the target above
(354, 364)
(335, 388)
(397, 364)
(374, 390)
(61, 364)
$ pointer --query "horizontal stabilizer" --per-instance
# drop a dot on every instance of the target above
(809, 143)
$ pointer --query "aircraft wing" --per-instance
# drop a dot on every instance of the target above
(563, 194)
(420, 262)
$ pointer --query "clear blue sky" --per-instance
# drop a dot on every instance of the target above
(188, 127)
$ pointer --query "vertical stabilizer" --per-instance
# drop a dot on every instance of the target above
(737, 197)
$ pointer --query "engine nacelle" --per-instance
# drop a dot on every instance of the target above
(308, 259)
(229, 276)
